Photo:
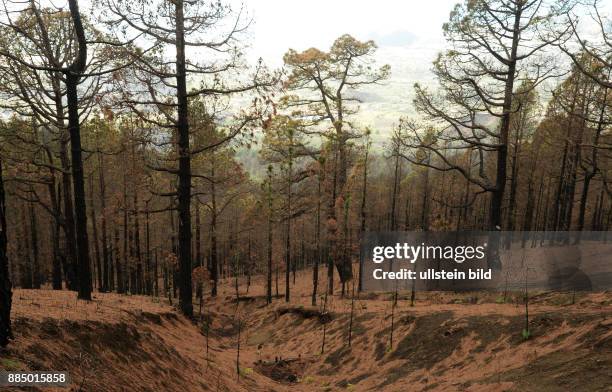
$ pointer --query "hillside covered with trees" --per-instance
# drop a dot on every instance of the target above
(142, 154)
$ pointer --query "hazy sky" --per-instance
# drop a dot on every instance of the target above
(279, 25)
(408, 33)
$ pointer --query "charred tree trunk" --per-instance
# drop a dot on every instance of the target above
(571, 186)
(288, 234)
(249, 270)
(425, 201)
(408, 210)
(198, 248)
(463, 210)
(55, 224)
(69, 259)
(173, 267)
(315, 269)
(364, 197)
(35, 248)
(56, 268)
(184, 170)
(528, 219)
(118, 266)
(345, 270)
(590, 173)
(94, 232)
(106, 285)
(392, 214)
(559, 211)
(497, 196)
(6, 293)
(332, 230)
(69, 234)
(25, 272)
(72, 80)
(82, 242)
(514, 170)
(214, 262)
(139, 278)
(148, 278)
(125, 264)
(269, 272)
(155, 272)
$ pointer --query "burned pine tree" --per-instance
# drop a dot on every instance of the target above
(73, 74)
(284, 146)
(322, 89)
(50, 84)
(21, 87)
(219, 180)
(155, 89)
(494, 44)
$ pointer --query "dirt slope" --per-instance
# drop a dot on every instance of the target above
(118, 343)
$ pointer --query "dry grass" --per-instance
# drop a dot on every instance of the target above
(469, 341)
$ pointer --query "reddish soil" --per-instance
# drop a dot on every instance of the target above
(446, 342)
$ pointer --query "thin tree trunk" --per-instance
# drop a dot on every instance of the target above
(105, 254)
(288, 235)
(332, 232)
(198, 248)
(171, 269)
(94, 232)
(126, 237)
(25, 275)
(250, 265)
(408, 210)
(315, 270)
(139, 278)
(511, 219)
(392, 218)
(214, 262)
(425, 200)
(269, 274)
(118, 266)
(56, 271)
(148, 272)
(35, 248)
(155, 272)
(350, 334)
(56, 225)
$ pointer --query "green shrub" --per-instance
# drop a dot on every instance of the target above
(526, 334)
(10, 364)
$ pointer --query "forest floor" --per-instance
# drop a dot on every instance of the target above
(446, 342)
